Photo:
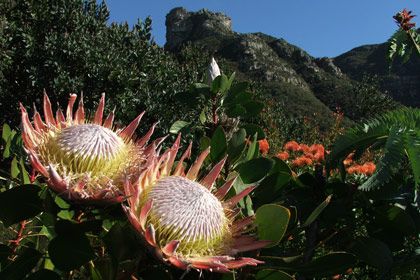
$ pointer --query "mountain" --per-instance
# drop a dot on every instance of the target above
(401, 81)
(286, 73)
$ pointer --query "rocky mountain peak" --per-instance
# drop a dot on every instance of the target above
(183, 26)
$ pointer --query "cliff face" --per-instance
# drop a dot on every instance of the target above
(401, 81)
(306, 85)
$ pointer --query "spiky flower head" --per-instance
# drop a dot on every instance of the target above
(188, 222)
(84, 161)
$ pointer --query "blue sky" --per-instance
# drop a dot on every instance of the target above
(320, 27)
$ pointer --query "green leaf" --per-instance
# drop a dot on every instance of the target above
(121, 242)
(23, 173)
(215, 85)
(373, 252)
(224, 83)
(5, 133)
(318, 210)
(205, 142)
(218, 145)
(20, 203)
(251, 129)
(14, 169)
(272, 221)
(28, 258)
(155, 273)
(253, 108)
(203, 116)
(327, 265)
(44, 274)
(255, 169)
(273, 274)
(252, 149)
(235, 110)
(182, 127)
(69, 252)
(236, 145)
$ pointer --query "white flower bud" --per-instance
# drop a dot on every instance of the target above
(213, 71)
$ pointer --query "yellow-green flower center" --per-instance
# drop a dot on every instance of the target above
(87, 151)
(186, 211)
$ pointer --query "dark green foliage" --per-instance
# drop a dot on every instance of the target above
(66, 47)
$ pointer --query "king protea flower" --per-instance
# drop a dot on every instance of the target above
(188, 222)
(84, 161)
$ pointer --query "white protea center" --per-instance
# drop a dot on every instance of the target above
(185, 210)
(90, 140)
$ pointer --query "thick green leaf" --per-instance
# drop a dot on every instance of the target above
(20, 203)
(5, 133)
(253, 108)
(69, 252)
(121, 242)
(180, 127)
(235, 110)
(238, 98)
(273, 274)
(218, 145)
(224, 83)
(28, 258)
(14, 168)
(205, 142)
(24, 176)
(236, 145)
(272, 221)
(255, 169)
(215, 85)
(104, 269)
(44, 274)
(327, 265)
(373, 252)
(318, 210)
(66, 227)
(251, 129)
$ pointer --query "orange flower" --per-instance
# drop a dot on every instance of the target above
(303, 148)
(283, 155)
(264, 146)
(291, 146)
(319, 157)
(301, 161)
(368, 168)
(348, 161)
(316, 148)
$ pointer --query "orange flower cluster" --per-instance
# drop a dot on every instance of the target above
(304, 155)
(366, 168)
(263, 144)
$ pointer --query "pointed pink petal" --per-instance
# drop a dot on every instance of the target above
(109, 120)
(171, 154)
(132, 218)
(57, 183)
(232, 214)
(209, 259)
(208, 266)
(234, 200)
(143, 213)
(100, 194)
(171, 247)
(193, 171)
(129, 130)
(244, 239)
(49, 119)
(180, 167)
(100, 111)
(146, 137)
(69, 111)
(243, 262)
(150, 235)
(178, 262)
(39, 124)
(239, 224)
(59, 116)
(28, 132)
(79, 116)
(253, 246)
(212, 176)
(221, 192)
(36, 163)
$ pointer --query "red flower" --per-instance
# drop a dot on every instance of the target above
(291, 146)
(264, 146)
(283, 155)
(403, 20)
